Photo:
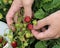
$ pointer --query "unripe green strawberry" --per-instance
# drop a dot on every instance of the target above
(34, 22)
(27, 19)
(23, 29)
(25, 44)
(25, 24)
(17, 25)
(5, 1)
(19, 33)
(27, 35)
(26, 31)
(22, 38)
(1, 16)
(10, 1)
(10, 36)
(4, 9)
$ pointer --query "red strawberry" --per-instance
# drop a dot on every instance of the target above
(1, 39)
(14, 44)
(27, 19)
(30, 26)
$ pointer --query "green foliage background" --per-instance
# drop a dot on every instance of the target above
(4, 7)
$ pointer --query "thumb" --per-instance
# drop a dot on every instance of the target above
(41, 23)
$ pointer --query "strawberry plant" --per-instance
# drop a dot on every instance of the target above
(3, 42)
(22, 37)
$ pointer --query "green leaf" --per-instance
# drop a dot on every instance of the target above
(46, 1)
(51, 5)
(40, 44)
(56, 46)
(40, 14)
(31, 40)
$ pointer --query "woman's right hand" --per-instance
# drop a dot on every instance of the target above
(15, 7)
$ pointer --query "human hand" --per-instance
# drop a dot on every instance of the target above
(15, 7)
(53, 32)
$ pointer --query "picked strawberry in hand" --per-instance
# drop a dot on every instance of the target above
(27, 19)
(30, 26)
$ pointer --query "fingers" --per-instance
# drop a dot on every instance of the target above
(15, 19)
(40, 35)
(46, 35)
(27, 4)
(28, 11)
(14, 8)
(10, 15)
(41, 23)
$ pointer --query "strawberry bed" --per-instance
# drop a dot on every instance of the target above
(22, 37)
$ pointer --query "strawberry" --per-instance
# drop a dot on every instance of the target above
(28, 35)
(27, 19)
(1, 39)
(14, 44)
(34, 22)
(30, 26)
